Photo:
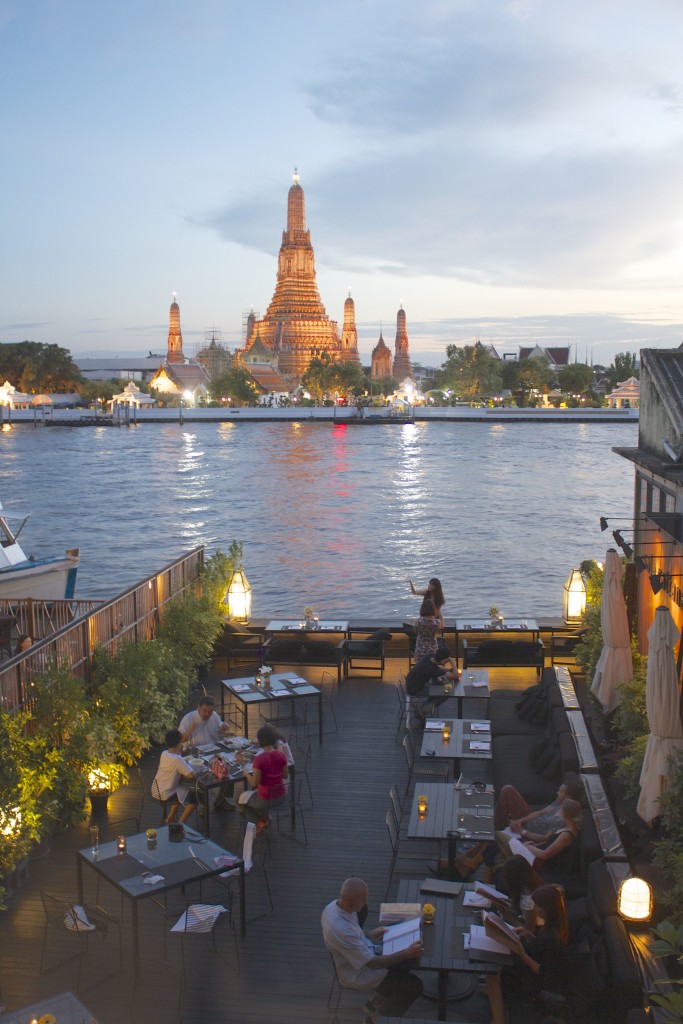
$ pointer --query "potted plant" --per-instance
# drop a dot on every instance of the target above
(495, 617)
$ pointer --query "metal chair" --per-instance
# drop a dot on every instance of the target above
(302, 759)
(329, 689)
(415, 850)
(77, 923)
(340, 990)
(403, 702)
(201, 919)
(432, 771)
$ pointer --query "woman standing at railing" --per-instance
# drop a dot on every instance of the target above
(434, 592)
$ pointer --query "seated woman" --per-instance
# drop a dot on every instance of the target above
(518, 880)
(542, 958)
(267, 778)
(557, 853)
(426, 627)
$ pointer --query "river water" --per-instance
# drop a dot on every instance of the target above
(333, 516)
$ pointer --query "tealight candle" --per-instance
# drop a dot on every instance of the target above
(121, 843)
(422, 805)
(446, 732)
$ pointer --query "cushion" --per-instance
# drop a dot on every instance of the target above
(542, 752)
(378, 637)
(76, 920)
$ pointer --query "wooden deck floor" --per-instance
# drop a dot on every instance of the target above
(285, 970)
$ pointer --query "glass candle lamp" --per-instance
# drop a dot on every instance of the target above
(121, 844)
(446, 731)
(422, 805)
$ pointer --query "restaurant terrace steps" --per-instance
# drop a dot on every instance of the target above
(285, 971)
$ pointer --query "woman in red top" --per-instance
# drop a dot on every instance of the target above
(269, 771)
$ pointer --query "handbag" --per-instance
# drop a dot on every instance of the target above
(219, 768)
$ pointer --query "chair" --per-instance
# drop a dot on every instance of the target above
(416, 850)
(156, 795)
(302, 760)
(396, 806)
(260, 853)
(369, 650)
(201, 919)
(410, 631)
(328, 689)
(563, 647)
(403, 702)
(336, 986)
(76, 923)
(239, 646)
(428, 771)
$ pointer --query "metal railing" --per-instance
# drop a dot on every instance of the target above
(131, 616)
(39, 619)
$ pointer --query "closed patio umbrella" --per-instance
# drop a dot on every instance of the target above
(615, 665)
(663, 711)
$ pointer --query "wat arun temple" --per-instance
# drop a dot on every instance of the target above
(296, 327)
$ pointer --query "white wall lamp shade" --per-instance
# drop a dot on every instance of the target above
(635, 900)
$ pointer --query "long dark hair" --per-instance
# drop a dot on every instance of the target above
(550, 899)
(427, 608)
(436, 592)
(516, 877)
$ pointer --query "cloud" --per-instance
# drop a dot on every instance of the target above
(27, 326)
(562, 220)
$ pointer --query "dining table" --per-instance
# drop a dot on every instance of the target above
(457, 741)
(473, 684)
(445, 948)
(454, 812)
(173, 863)
(228, 749)
(66, 1008)
(280, 686)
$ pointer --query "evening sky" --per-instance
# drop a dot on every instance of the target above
(507, 170)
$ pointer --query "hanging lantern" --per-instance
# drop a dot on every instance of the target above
(574, 598)
(635, 900)
(238, 597)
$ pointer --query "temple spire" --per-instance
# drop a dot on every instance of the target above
(349, 338)
(296, 213)
(401, 368)
(175, 337)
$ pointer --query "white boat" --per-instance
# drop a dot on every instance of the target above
(46, 579)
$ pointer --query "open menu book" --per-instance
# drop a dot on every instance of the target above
(497, 929)
(400, 936)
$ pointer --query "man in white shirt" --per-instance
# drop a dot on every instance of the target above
(203, 725)
(357, 962)
(168, 782)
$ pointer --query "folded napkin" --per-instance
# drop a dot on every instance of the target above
(200, 917)
(481, 727)
(241, 687)
(76, 919)
(225, 861)
(478, 683)
(152, 879)
(432, 725)
(480, 744)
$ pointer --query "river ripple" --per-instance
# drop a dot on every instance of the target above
(333, 516)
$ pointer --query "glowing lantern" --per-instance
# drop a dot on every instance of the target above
(635, 900)
(574, 598)
(238, 597)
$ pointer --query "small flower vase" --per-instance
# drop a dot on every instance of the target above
(266, 680)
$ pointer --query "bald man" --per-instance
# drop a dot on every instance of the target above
(358, 963)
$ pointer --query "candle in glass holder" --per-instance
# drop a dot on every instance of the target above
(446, 731)
(422, 805)
(121, 843)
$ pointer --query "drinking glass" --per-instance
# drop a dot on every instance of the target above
(94, 839)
